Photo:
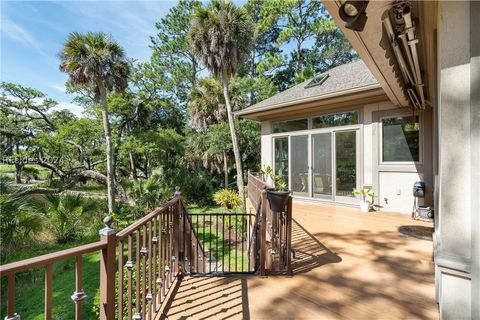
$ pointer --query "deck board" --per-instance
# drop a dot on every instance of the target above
(348, 265)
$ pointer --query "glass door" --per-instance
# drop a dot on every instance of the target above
(281, 158)
(346, 165)
(299, 165)
(322, 165)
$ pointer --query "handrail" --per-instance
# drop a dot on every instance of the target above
(49, 258)
(140, 222)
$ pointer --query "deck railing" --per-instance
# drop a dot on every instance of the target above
(138, 265)
(274, 229)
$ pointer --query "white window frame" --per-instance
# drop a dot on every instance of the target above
(420, 140)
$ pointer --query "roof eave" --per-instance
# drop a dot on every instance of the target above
(352, 95)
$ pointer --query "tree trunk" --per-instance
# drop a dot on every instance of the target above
(225, 168)
(18, 172)
(233, 133)
(108, 141)
(133, 167)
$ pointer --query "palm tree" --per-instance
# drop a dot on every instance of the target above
(96, 61)
(19, 219)
(67, 214)
(221, 36)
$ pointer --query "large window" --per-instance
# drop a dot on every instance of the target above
(401, 139)
(335, 120)
(292, 125)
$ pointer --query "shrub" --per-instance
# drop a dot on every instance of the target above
(227, 198)
(30, 173)
(149, 194)
(19, 220)
(67, 213)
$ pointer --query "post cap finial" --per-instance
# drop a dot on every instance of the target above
(108, 220)
(177, 191)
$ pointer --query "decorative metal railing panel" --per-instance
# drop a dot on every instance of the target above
(227, 242)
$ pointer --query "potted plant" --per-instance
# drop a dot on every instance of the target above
(365, 205)
(277, 196)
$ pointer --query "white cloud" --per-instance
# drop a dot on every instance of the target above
(59, 87)
(75, 109)
(19, 34)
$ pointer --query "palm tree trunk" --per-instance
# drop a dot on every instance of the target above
(133, 167)
(233, 133)
(225, 168)
(108, 141)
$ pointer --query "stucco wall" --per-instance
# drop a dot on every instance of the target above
(457, 226)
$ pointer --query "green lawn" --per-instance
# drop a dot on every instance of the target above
(216, 241)
(9, 170)
(30, 294)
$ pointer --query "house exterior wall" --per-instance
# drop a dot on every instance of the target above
(457, 251)
(391, 182)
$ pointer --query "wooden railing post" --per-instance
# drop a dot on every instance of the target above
(289, 236)
(107, 271)
(177, 225)
(263, 233)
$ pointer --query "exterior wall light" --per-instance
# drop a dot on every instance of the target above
(353, 13)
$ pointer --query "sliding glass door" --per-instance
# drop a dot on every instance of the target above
(322, 165)
(299, 165)
(281, 157)
(346, 165)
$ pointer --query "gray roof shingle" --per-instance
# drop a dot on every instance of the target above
(341, 78)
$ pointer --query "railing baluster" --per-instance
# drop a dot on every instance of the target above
(48, 292)
(120, 280)
(78, 296)
(216, 243)
(149, 292)
(129, 277)
(11, 297)
(230, 242)
(144, 253)
(137, 274)
(236, 242)
(161, 266)
(153, 288)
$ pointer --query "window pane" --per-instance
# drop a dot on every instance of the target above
(293, 125)
(346, 162)
(322, 165)
(281, 158)
(335, 120)
(401, 137)
(299, 163)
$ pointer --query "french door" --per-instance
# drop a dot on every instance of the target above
(335, 165)
(322, 165)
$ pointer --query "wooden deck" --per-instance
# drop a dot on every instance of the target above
(348, 265)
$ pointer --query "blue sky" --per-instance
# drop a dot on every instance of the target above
(32, 33)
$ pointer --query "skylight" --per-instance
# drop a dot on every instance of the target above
(317, 80)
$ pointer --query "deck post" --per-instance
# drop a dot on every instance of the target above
(177, 225)
(263, 233)
(289, 236)
(107, 271)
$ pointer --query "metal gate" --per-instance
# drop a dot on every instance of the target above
(227, 241)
